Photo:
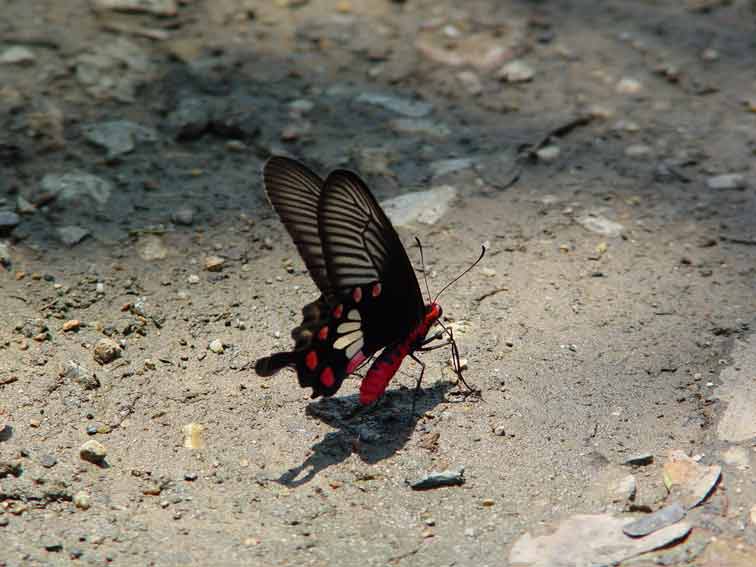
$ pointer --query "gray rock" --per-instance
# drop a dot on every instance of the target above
(17, 55)
(76, 372)
(738, 391)
(77, 188)
(51, 544)
(599, 224)
(548, 153)
(72, 235)
(5, 256)
(651, 523)
(8, 221)
(118, 137)
(639, 460)
(93, 451)
(157, 7)
(638, 151)
(32, 327)
(191, 119)
(183, 216)
(726, 181)
(450, 477)
(48, 461)
(590, 540)
(410, 108)
(426, 207)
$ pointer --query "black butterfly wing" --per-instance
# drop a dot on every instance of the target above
(363, 252)
(294, 191)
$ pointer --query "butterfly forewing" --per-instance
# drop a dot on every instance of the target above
(361, 248)
(294, 191)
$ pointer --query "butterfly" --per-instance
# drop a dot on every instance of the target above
(370, 297)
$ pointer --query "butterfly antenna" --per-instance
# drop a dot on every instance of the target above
(482, 253)
(422, 263)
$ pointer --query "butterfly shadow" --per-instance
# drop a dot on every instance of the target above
(374, 434)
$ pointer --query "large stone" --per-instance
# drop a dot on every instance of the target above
(426, 207)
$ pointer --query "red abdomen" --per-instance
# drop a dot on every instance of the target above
(381, 372)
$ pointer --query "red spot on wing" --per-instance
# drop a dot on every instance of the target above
(327, 378)
(323, 333)
(357, 294)
(376, 291)
(311, 360)
(337, 311)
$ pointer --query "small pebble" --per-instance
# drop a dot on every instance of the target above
(183, 216)
(17, 55)
(106, 350)
(93, 451)
(548, 153)
(214, 263)
(216, 346)
(638, 151)
(48, 461)
(71, 325)
(639, 460)
(193, 436)
(82, 500)
(628, 85)
(193, 279)
(516, 72)
(500, 431)
(726, 181)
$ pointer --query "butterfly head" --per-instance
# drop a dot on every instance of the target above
(433, 313)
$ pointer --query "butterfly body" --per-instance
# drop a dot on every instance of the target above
(387, 364)
(370, 299)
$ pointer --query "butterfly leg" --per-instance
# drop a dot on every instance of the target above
(419, 381)
(435, 337)
(457, 365)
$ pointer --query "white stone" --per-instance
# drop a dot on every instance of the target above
(17, 55)
(426, 207)
(600, 225)
(738, 391)
(726, 181)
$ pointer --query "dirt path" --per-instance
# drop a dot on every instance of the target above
(606, 155)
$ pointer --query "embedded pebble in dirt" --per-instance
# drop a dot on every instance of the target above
(604, 152)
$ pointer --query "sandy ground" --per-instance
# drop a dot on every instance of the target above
(617, 292)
